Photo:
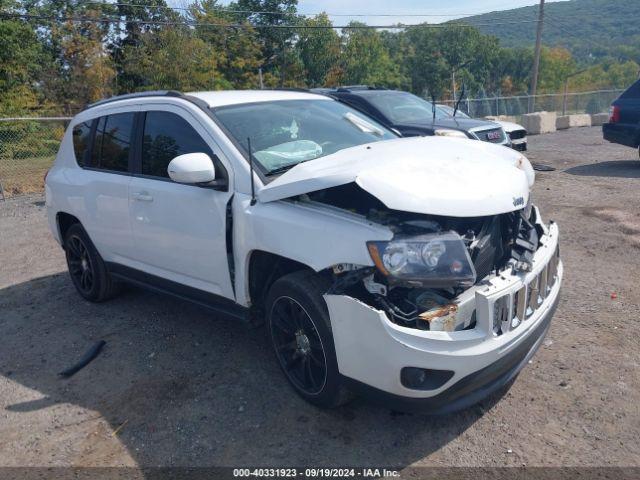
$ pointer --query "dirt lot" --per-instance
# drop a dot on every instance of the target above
(175, 386)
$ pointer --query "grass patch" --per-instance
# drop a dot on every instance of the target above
(24, 175)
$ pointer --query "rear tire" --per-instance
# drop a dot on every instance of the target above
(87, 269)
(300, 332)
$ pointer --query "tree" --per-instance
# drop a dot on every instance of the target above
(428, 69)
(81, 70)
(20, 58)
(555, 65)
(275, 41)
(241, 52)
(437, 53)
(365, 60)
(174, 58)
(511, 71)
(127, 36)
(319, 49)
(74, 66)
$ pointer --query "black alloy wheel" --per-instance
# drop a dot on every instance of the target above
(80, 265)
(298, 345)
(86, 267)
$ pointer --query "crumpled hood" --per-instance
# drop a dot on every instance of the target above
(430, 175)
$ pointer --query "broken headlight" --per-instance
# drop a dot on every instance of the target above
(431, 260)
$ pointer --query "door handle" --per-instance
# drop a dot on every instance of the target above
(143, 197)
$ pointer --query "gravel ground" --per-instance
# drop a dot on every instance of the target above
(176, 386)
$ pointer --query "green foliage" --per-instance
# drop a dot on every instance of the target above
(129, 35)
(49, 61)
(175, 59)
(82, 71)
(19, 66)
(274, 41)
(319, 50)
(436, 54)
(365, 60)
(590, 29)
(239, 52)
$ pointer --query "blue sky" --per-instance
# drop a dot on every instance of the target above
(449, 10)
(404, 9)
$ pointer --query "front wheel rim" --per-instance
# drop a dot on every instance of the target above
(80, 265)
(298, 345)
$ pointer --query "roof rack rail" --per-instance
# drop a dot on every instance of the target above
(289, 89)
(150, 93)
(351, 88)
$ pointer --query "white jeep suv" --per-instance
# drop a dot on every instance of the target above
(413, 269)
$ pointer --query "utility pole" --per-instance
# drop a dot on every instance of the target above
(453, 83)
(536, 58)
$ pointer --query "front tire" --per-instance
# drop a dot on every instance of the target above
(300, 332)
(87, 269)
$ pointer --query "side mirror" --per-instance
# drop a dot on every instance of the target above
(192, 168)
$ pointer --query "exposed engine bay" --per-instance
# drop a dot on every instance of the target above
(493, 244)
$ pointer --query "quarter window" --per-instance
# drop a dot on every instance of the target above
(113, 142)
(81, 140)
(167, 135)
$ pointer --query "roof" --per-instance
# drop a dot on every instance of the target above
(235, 97)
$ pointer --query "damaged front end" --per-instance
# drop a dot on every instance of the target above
(426, 276)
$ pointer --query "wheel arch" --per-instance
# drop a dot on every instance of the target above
(64, 221)
(263, 269)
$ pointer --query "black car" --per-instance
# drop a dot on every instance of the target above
(624, 118)
(413, 116)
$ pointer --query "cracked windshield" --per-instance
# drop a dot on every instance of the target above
(285, 133)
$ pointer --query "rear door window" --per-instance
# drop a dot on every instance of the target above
(167, 135)
(112, 143)
(81, 141)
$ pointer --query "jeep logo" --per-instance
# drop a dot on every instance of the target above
(518, 201)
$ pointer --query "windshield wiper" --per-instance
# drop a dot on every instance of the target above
(284, 168)
(281, 169)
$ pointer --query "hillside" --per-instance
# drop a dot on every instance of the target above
(589, 28)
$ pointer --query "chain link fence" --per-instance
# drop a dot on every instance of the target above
(563, 103)
(28, 147)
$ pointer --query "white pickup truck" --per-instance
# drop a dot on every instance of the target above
(415, 270)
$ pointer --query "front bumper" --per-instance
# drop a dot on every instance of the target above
(519, 144)
(371, 350)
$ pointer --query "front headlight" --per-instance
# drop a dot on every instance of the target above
(445, 132)
(430, 260)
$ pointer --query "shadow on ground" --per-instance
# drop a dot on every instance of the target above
(614, 168)
(193, 390)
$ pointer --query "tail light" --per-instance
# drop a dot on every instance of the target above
(44, 179)
(614, 114)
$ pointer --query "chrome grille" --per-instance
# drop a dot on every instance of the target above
(511, 310)
(492, 135)
(517, 134)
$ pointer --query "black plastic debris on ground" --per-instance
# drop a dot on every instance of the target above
(84, 361)
(541, 167)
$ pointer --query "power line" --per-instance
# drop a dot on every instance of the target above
(565, 29)
(187, 23)
(277, 13)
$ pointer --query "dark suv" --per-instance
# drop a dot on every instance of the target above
(624, 118)
(413, 116)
